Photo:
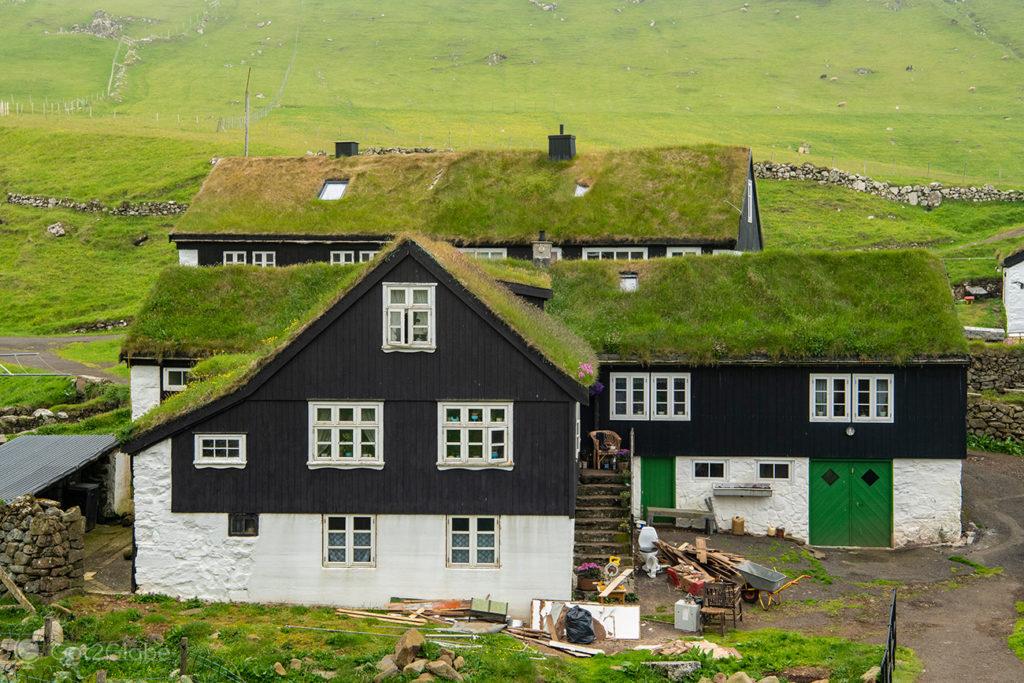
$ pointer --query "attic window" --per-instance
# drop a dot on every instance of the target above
(333, 190)
(581, 189)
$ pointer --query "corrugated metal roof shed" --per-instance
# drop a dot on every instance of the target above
(29, 464)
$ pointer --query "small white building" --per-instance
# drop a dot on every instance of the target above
(1013, 293)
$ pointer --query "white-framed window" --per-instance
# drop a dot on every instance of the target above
(175, 379)
(730, 252)
(709, 469)
(621, 253)
(219, 450)
(851, 398)
(346, 434)
(264, 259)
(477, 434)
(649, 396)
(670, 396)
(682, 251)
(349, 540)
(774, 469)
(486, 253)
(365, 256)
(243, 524)
(830, 398)
(343, 257)
(234, 258)
(556, 254)
(409, 316)
(872, 398)
(629, 396)
(473, 541)
(332, 190)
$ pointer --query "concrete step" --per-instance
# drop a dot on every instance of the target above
(602, 523)
(611, 535)
(599, 501)
(589, 511)
(600, 489)
(603, 477)
(601, 549)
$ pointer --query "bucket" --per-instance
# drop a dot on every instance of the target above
(737, 526)
(771, 531)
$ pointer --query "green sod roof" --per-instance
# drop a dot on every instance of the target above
(683, 193)
(892, 306)
(251, 314)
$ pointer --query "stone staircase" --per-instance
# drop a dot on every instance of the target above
(602, 518)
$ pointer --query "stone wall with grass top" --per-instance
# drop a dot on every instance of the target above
(1000, 420)
(42, 547)
(999, 369)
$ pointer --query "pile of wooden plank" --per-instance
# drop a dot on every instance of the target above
(545, 638)
(697, 562)
(483, 609)
(412, 619)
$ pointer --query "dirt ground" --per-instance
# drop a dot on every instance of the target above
(107, 570)
(954, 619)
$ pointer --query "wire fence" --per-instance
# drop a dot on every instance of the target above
(889, 657)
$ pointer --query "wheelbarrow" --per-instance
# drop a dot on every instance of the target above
(763, 585)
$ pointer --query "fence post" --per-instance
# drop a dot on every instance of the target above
(183, 656)
(101, 676)
(47, 635)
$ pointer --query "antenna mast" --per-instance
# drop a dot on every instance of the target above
(248, 76)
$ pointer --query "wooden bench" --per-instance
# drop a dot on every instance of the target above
(708, 516)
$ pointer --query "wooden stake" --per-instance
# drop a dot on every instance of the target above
(702, 550)
(183, 656)
(47, 636)
(9, 584)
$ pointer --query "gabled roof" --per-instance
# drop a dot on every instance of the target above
(1016, 256)
(889, 306)
(673, 193)
(30, 464)
(226, 380)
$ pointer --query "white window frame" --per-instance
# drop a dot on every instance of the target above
(357, 426)
(489, 428)
(350, 546)
(486, 253)
(234, 258)
(851, 398)
(671, 378)
(171, 386)
(704, 461)
(774, 464)
(618, 253)
(264, 259)
(343, 258)
(474, 533)
(200, 461)
(368, 255)
(628, 377)
(730, 252)
(682, 251)
(407, 309)
(873, 378)
(329, 189)
(830, 391)
(556, 254)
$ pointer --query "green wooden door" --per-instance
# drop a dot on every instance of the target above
(851, 503)
(657, 483)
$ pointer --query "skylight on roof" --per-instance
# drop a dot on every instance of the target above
(581, 189)
(333, 190)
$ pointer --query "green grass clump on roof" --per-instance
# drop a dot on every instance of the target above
(197, 312)
(482, 196)
(519, 271)
(884, 305)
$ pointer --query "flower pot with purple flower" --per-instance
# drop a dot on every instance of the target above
(587, 576)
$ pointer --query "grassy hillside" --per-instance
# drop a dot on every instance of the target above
(768, 73)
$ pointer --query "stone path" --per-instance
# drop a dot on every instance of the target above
(47, 348)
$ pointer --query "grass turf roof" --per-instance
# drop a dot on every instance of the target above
(251, 314)
(482, 196)
(885, 305)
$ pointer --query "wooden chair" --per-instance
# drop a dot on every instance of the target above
(722, 602)
(606, 443)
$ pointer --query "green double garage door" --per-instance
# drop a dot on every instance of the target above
(851, 503)
(850, 500)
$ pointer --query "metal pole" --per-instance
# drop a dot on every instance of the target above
(247, 111)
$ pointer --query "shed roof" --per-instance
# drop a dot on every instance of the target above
(673, 193)
(30, 464)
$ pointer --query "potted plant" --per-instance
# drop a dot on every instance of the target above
(587, 576)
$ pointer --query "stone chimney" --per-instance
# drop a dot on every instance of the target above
(542, 250)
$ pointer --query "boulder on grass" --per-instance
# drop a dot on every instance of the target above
(444, 670)
(408, 647)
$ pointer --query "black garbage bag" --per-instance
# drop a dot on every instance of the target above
(579, 626)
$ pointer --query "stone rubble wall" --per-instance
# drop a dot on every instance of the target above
(169, 208)
(43, 547)
(930, 195)
(996, 419)
(998, 371)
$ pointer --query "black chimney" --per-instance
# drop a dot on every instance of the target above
(561, 147)
(346, 149)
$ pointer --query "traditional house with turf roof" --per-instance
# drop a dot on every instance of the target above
(822, 393)
(626, 204)
(1013, 292)
(367, 431)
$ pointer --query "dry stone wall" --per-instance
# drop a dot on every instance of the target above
(43, 547)
(170, 208)
(929, 196)
(998, 371)
(995, 419)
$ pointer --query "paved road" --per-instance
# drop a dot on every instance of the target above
(47, 347)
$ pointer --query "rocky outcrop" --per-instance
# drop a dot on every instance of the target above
(996, 419)
(43, 547)
(170, 208)
(928, 196)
